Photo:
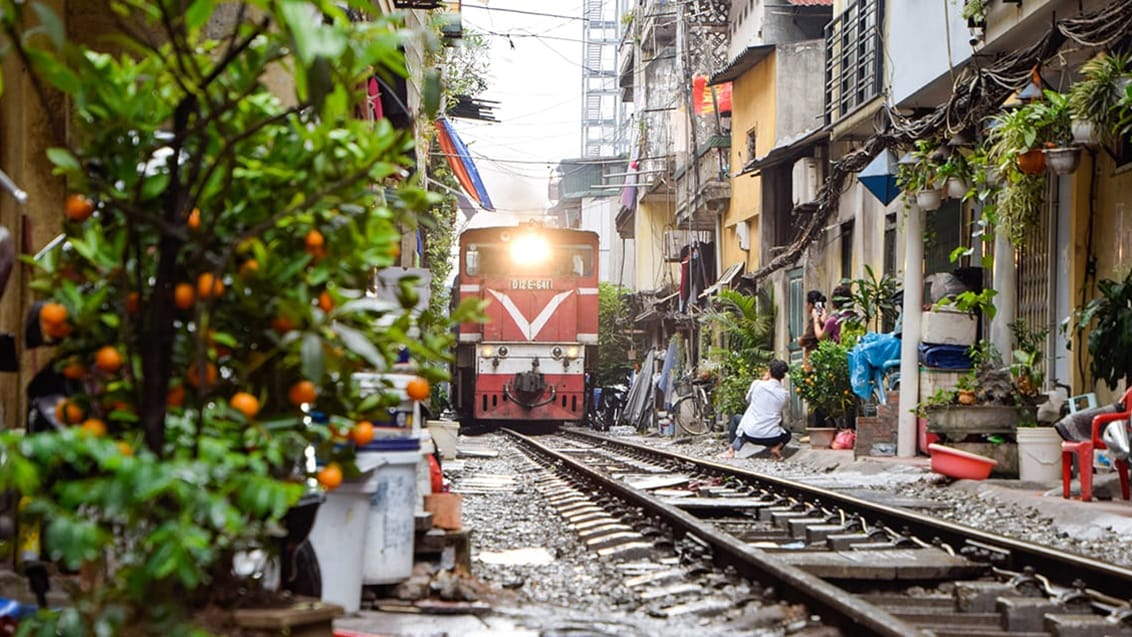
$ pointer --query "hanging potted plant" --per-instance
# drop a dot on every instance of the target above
(954, 173)
(1014, 145)
(918, 174)
(975, 13)
(1052, 117)
(1094, 99)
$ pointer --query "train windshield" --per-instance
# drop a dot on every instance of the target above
(508, 259)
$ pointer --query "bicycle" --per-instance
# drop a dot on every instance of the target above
(694, 412)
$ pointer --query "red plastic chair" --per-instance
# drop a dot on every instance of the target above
(1083, 450)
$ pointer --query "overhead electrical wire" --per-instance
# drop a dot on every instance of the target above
(977, 93)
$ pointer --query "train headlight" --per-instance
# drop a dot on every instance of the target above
(572, 352)
(529, 248)
(503, 351)
(556, 352)
(487, 351)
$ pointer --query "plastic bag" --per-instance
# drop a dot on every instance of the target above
(1115, 437)
(844, 439)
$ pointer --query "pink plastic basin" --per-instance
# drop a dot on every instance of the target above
(958, 464)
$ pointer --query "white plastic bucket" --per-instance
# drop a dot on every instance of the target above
(1039, 454)
(392, 507)
(339, 541)
(445, 433)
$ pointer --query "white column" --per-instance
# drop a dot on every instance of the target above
(910, 337)
(1005, 280)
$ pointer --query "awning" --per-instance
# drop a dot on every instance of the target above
(460, 160)
(656, 311)
(785, 151)
(724, 280)
(740, 65)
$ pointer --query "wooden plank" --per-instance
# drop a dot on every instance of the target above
(711, 504)
(647, 482)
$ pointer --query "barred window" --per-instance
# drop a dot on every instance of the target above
(853, 58)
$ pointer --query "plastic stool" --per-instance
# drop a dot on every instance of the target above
(1083, 450)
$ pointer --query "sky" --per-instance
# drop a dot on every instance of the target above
(535, 75)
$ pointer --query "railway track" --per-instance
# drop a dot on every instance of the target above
(858, 566)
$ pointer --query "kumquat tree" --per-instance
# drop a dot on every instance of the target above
(210, 289)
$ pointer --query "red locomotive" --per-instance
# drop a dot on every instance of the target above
(528, 362)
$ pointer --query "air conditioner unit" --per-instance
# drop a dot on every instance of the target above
(805, 182)
(743, 233)
(676, 240)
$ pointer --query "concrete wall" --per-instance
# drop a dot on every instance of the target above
(651, 271)
(799, 85)
(763, 24)
(616, 262)
(917, 36)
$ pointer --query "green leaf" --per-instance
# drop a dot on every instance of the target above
(63, 158)
(312, 39)
(312, 356)
(197, 13)
(154, 186)
(51, 23)
(358, 343)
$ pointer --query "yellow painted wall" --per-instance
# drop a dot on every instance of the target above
(1113, 194)
(654, 216)
(752, 106)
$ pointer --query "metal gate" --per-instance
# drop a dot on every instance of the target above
(1037, 261)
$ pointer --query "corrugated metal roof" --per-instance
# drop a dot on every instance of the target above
(750, 56)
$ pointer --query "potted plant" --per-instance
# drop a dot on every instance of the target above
(1094, 99)
(917, 174)
(955, 175)
(1053, 118)
(1014, 146)
(1029, 359)
(1108, 319)
(975, 13)
(202, 305)
(826, 387)
(746, 332)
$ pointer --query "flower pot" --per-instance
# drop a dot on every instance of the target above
(821, 437)
(958, 464)
(1032, 162)
(929, 199)
(966, 397)
(957, 187)
(1084, 133)
(1063, 161)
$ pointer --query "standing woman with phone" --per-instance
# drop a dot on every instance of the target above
(815, 320)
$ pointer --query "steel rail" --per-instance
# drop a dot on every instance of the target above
(832, 604)
(1061, 568)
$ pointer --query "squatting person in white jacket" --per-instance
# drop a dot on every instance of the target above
(761, 423)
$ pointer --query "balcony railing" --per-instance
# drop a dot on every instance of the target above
(853, 58)
(702, 190)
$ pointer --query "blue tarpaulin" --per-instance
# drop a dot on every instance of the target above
(867, 360)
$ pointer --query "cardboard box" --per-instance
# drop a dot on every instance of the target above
(947, 328)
